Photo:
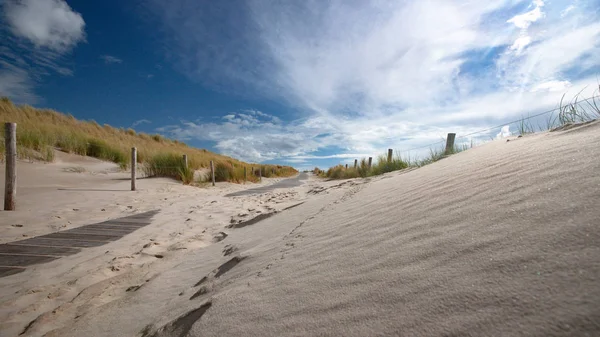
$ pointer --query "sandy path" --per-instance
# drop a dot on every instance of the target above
(52, 197)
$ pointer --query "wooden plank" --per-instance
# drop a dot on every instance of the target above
(111, 232)
(134, 220)
(6, 271)
(11, 248)
(124, 223)
(61, 243)
(23, 260)
(94, 233)
(84, 237)
(109, 228)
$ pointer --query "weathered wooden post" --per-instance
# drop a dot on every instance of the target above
(185, 161)
(260, 174)
(390, 152)
(370, 161)
(10, 183)
(450, 143)
(212, 172)
(355, 162)
(245, 174)
(133, 167)
(346, 166)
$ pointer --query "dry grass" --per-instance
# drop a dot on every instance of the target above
(41, 130)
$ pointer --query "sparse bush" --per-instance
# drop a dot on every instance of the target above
(48, 154)
(165, 165)
(223, 171)
(101, 150)
(384, 166)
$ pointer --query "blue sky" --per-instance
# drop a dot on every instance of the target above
(303, 83)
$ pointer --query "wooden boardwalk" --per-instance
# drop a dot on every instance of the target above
(16, 256)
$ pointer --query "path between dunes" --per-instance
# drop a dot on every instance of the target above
(501, 240)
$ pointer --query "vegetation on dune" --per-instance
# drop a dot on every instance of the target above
(566, 114)
(39, 131)
(382, 165)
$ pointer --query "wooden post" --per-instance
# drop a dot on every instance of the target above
(185, 161)
(10, 183)
(245, 174)
(355, 162)
(370, 161)
(450, 143)
(133, 167)
(212, 172)
(390, 152)
(346, 166)
(260, 174)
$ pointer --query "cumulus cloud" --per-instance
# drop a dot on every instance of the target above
(504, 132)
(38, 33)
(109, 59)
(46, 23)
(373, 75)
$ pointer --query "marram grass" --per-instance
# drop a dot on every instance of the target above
(40, 131)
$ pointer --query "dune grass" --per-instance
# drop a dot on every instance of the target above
(40, 131)
(381, 166)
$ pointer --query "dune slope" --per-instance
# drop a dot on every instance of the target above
(501, 240)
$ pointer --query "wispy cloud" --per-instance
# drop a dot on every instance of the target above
(109, 59)
(379, 74)
(140, 122)
(38, 33)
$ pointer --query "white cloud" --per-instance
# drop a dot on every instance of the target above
(140, 122)
(36, 37)
(551, 86)
(16, 84)
(109, 59)
(373, 75)
(504, 132)
(524, 20)
(566, 11)
(46, 23)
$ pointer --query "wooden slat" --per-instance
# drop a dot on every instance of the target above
(84, 237)
(61, 243)
(11, 248)
(6, 271)
(128, 222)
(112, 227)
(23, 260)
(96, 232)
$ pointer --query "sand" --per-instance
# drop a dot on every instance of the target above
(500, 240)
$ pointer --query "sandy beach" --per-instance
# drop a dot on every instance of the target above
(500, 240)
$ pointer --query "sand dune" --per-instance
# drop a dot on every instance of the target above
(501, 240)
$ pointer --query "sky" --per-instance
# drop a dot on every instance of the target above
(301, 83)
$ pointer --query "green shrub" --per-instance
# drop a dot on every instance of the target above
(384, 166)
(166, 165)
(223, 171)
(101, 150)
(48, 154)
